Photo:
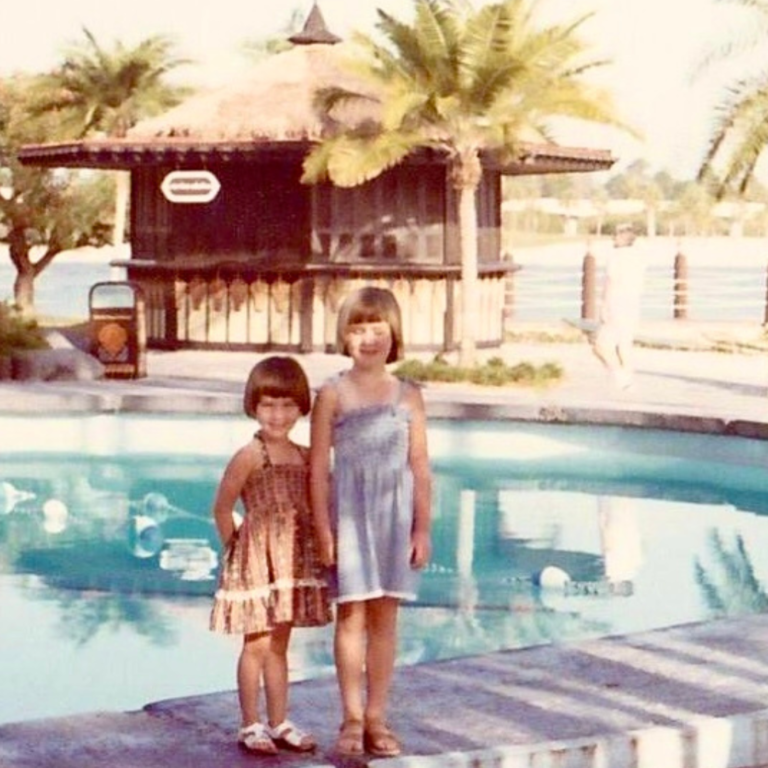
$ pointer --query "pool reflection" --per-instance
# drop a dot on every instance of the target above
(124, 550)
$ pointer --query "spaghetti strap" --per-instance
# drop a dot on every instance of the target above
(264, 451)
(399, 392)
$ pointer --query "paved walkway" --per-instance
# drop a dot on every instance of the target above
(688, 697)
(699, 382)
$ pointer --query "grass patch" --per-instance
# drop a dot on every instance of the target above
(493, 373)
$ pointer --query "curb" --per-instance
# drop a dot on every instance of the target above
(738, 741)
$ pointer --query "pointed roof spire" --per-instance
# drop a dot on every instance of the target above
(315, 30)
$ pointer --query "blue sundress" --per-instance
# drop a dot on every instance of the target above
(373, 502)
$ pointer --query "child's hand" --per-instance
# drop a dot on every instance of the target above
(326, 547)
(421, 549)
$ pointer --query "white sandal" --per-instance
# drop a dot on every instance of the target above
(256, 738)
(289, 736)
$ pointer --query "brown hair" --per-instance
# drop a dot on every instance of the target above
(371, 305)
(277, 377)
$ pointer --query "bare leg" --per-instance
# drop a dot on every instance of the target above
(249, 670)
(276, 674)
(382, 647)
(349, 650)
(380, 655)
(625, 353)
(614, 354)
(604, 348)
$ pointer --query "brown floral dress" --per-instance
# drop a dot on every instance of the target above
(270, 572)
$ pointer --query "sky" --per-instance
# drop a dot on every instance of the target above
(653, 45)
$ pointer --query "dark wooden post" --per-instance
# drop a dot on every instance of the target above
(508, 311)
(305, 314)
(588, 287)
(449, 342)
(680, 302)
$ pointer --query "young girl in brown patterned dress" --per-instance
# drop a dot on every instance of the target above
(271, 579)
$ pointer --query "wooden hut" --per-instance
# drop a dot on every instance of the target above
(233, 251)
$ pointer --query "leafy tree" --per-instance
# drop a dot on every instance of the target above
(669, 187)
(637, 183)
(693, 209)
(107, 91)
(739, 131)
(42, 212)
(462, 81)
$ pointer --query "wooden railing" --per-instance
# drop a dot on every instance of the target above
(682, 291)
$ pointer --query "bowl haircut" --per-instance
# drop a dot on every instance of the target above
(371, 305)
(277, 377)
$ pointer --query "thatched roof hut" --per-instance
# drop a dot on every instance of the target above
(261, 260)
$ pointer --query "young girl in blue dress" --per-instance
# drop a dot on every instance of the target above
(271, 578)
(371, 500)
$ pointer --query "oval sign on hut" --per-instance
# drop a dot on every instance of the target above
(190, 186)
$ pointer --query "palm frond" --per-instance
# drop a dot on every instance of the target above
(488, 60)
(399, 109)
(334, 97)
(738, 135)
(109, 90)
(752, 37)
(458, 77)
(348, 161)
(315, 164)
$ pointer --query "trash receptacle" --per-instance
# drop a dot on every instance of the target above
(118, 328)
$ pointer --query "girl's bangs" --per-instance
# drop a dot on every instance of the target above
(364, 314)
(276, 391)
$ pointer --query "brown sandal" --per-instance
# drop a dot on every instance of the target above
(380, 741)
(350, 740)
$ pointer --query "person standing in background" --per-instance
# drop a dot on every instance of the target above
(613, 342)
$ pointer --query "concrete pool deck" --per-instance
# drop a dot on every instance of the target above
(693, 696)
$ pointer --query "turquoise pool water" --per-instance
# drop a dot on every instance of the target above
(542, 533)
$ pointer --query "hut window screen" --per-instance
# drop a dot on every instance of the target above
(489, 217)
(397, 217)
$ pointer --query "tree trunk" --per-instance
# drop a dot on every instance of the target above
(27, 271)
(466, 175)
(468, 240)
(24, 282)
(122, 201)
(24, 291)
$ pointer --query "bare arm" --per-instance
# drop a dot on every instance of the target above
(421, 546)
(228, 492)
(320, 441)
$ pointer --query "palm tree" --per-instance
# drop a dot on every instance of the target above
(100, 91)
(739, 131)
(465, 82)
(42, 212)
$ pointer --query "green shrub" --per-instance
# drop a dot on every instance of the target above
(436, 370)
(493, 373)
(18, 332)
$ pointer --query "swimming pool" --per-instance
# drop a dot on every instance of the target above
(108, 554)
